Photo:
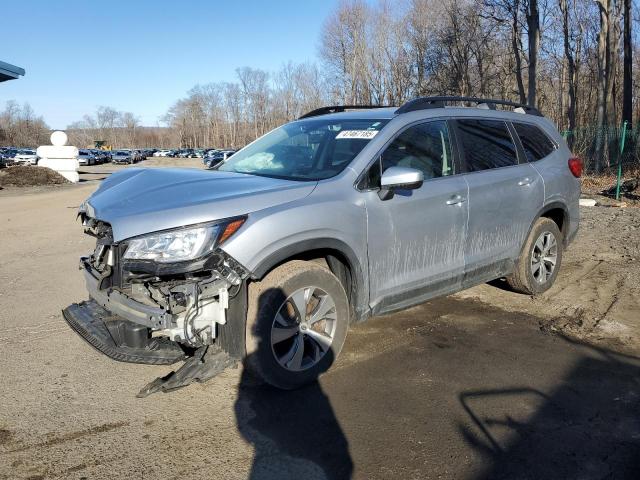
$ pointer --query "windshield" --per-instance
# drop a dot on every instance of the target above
(311, 149)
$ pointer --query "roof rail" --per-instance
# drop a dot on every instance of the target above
(338, 108)
(424, 103)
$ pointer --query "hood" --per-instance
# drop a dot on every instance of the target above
(139, 201)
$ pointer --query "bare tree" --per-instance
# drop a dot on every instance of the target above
(627, 95)
(21, 127)
(129, 123)
(604, 69)
(533, 36)
(569, 48)
(565, 57)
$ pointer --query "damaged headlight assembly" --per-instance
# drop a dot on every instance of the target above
(182, 271)
(181, 245)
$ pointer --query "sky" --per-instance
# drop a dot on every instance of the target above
(143, 55)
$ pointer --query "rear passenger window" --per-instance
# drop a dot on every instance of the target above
(487, 144)
(424, 147)
(535, 143)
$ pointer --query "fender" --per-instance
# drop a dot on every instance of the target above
(552, 206)
(360, 283)
(555, 205)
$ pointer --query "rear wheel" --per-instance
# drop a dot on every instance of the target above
(297, 321)
(540, 260)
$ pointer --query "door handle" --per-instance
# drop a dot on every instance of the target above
(524, 182)
(457, 200)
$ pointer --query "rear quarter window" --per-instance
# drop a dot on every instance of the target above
(486, 144)
(534, 141)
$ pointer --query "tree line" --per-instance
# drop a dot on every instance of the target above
(117, 130)
(21, 127)
(573, 59)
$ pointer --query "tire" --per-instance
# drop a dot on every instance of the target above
(528, 279)
(272, 315)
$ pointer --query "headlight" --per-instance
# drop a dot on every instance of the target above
(181, 245)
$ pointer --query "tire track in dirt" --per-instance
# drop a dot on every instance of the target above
(24, 335)
(68, 437)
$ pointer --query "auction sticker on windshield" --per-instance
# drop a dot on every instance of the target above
(362, 134)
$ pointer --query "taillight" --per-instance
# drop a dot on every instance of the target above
(575, 165)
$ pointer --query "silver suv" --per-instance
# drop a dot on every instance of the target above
(340, 215)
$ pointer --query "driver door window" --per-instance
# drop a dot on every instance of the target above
(424, 147)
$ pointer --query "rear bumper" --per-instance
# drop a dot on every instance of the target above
(117, 338)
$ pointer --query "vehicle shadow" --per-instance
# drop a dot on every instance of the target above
(295, 433)
(501, 284)
(588, 427)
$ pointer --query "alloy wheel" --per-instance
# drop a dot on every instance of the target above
(303, 328)
(544, 257)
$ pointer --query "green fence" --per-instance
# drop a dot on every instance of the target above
(607, 151)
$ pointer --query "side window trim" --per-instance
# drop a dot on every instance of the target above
(455, 159)
(515, 138)
(463, 159)
(457, 140)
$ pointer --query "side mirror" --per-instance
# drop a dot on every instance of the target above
(399, 178)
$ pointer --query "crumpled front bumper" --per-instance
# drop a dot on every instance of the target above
(124, 306)
(118, 338)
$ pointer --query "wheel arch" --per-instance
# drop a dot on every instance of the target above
(341, 260)
(559, 213)
(556, 211)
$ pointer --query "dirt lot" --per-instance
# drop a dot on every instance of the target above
(482, 384)
(597, 297)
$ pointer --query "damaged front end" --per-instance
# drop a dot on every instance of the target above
(162, 298)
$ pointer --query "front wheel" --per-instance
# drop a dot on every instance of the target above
(297, 321)
(540, 260)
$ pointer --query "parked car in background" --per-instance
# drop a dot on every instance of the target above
(122, 156)
(85, 157)
(209, 151)
(6, 156)
(163, 153)
(185, 153)
(208, 154)
(8, 152)
(97, 154)
(218, 158)
(105, 156)
(5, 160)
(26, 157)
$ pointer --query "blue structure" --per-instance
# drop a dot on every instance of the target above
(10, 72)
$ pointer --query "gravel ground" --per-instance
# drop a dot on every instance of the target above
(597, 296)
(482, 384)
